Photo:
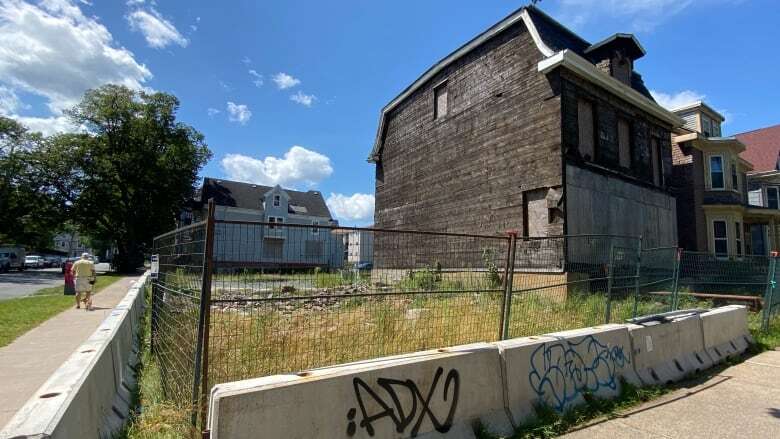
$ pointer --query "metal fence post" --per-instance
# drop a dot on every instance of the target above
(636, 277)
(506, 310)
(770, 293)
(610, 275)
(200, 380)
(676, 285)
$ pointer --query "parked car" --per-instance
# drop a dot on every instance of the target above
(34, 261)
(53, 261)
(12, 258)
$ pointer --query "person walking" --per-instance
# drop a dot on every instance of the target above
(84, 272)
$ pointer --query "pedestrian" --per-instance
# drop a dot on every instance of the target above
(84, 272)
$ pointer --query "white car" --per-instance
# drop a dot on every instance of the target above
(34, 262)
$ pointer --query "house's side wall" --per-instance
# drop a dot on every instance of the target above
(599, 203)
(688, 188)
(468, 171)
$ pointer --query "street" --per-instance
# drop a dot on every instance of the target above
(18, 284)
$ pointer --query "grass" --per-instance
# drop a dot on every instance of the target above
(547, 423)
(21, 314)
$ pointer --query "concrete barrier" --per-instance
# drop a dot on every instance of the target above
(668, 350)
(427, 394)
(558, 369)
(725, 332)
(89, 395)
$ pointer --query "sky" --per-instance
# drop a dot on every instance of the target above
(289, 91)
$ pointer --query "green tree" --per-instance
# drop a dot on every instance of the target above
(29, 211)
(125, 177)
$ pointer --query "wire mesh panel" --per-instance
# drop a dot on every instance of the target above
(707, 280)
(564, 282)
(656, 282)
(176, 296)
(288, 297)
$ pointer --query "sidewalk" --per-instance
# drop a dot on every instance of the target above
(742, 401)
(28, 362)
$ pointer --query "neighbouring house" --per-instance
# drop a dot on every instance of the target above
(529, 127)
(360, 247)
(710, 181)
(762, 149)
(250, 245)
(72, 245)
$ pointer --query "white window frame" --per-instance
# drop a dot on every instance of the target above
(738, 238)
(709, 169)
(315, 230)
(777, 197)
(275, 219)
(715, 239)
(277, 200)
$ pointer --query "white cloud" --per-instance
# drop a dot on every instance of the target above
(676, 100)
(54, 51)
(246, 60)
(9, 102)
(157, 31)
(47, 125)
(639, 15)
(303, 99)
(258, 81)
(356, 207)
(285, 81)
(238, 113)
(213, 112)
(299, 166)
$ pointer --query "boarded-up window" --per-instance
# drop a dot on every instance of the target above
(440, 101)
(272, 248)
(585, 122)
(536, 214)
(655, 152)
(624, 143)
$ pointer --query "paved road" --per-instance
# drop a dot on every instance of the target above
(742, 401)
(28, 361)
(17, 284)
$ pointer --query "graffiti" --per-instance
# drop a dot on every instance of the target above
(401, 416)
(560, 372)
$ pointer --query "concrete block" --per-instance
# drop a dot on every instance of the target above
(558, 369)
(725, 332)
(666, 352)
(427, 394)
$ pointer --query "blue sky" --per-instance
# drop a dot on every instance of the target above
(290, 91)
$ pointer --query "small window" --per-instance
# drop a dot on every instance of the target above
(772, 198)
(277, 200)
(738, 237)
(624, 143)
(716, 172)
(315, 230)
(655, 156)
(440, 101)
(720, 238)
(275, 219)
(734, 177)
(587, 130)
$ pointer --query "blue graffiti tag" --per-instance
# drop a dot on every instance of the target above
(559, 373)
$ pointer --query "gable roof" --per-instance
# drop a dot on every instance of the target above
(550, 37)
(249, 196)
(762, 147)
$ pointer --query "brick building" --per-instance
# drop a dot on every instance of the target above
(529, 127)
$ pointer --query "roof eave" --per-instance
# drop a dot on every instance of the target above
(583, 68)
(521, 14)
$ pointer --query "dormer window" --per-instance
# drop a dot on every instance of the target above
(277, 200)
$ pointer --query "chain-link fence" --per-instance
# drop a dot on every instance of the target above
(238, 299)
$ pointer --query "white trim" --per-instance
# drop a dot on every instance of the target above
(522, 14)
(582, 67)
(722, 171)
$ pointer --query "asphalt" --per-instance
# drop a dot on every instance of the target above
(742, 401)
(27, 363)
(24, 283)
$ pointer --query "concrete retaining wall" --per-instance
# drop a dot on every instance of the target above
(89, 395)
(445, 392)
